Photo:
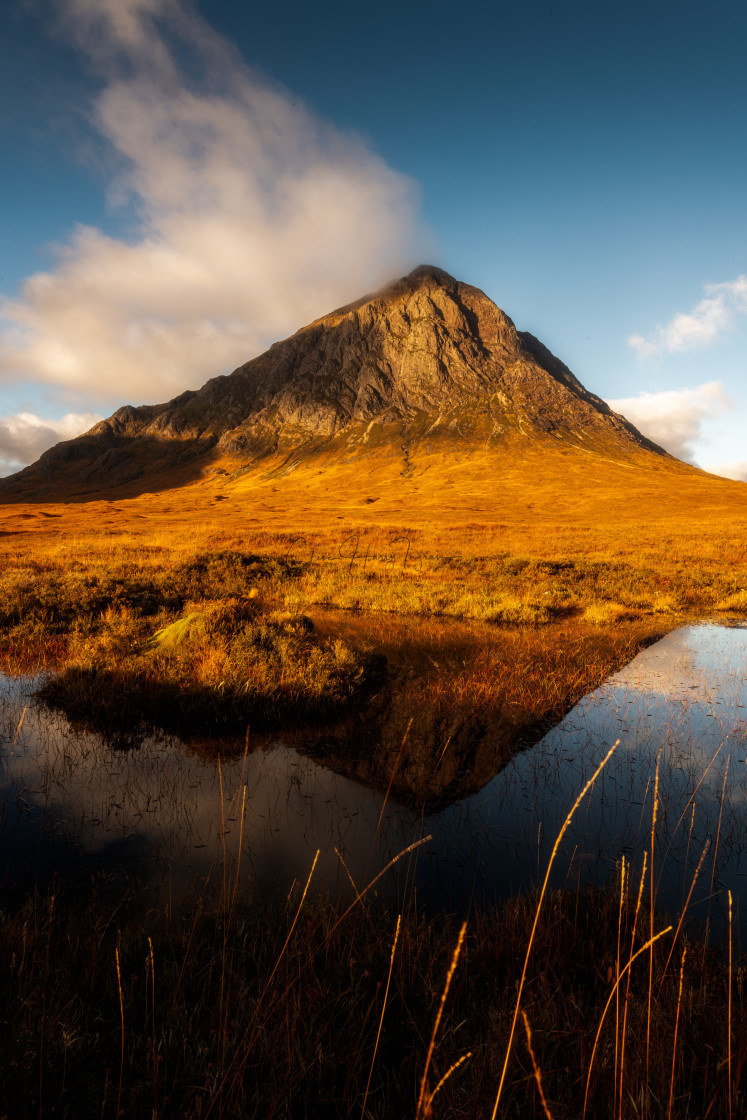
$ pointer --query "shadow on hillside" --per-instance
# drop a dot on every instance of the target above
(91, 468)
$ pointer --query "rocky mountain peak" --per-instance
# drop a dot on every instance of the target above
(426, 363)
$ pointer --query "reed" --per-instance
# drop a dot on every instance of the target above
(154, 1058)
(624, 1033)
(381, 1020)
(626, 970)
(535, 1068)
(553, 854)
(339, 1032)
(121, 1012)
(728, 1021)
(676, 1028)
(439, 1086)
(703, 855)
(718, 828)
(651, 911)
(424, 1100)
(617, 966)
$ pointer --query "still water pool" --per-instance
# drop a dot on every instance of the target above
(168, 819)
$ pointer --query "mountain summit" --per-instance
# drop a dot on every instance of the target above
(426, 364)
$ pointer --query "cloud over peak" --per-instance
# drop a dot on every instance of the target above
(253, 217)
(704, 325)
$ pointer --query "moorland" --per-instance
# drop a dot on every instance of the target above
(418, 597)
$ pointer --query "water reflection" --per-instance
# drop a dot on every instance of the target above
(173, 819)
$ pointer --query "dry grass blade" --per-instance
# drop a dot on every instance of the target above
(359, 895)
(535, 1068)
(424, 1102)
(651, 912)
(561, 834)
(690, 802)
(394, 771)
(341, 858)
(153, 1027)
(676, 1026)
(121, 1015)
(684, 909)
(293, 926)
(381, 1020)
(623, 1036)
(452, 1068)
(635, 956)
(728, 1025)
(720, 814)
(617, 963)
(18, 729)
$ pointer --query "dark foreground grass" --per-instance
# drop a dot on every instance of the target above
(243, 1009)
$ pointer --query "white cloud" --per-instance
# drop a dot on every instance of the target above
(708, 320)
(737, 471)
(674, 419)
(25, 436)
(253, 217)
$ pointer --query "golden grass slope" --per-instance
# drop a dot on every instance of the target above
(454, 534)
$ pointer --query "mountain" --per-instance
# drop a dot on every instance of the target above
(427, 365)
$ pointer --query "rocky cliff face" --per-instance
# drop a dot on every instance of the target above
(427, 361)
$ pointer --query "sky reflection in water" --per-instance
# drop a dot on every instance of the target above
(70, 803)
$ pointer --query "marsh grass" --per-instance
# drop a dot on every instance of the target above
(303, 1013)
(147, 638)
(235, 1006)
(236, 666)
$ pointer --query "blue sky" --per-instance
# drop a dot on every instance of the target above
(184, 184)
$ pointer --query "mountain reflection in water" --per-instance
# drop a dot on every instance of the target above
(169, 818)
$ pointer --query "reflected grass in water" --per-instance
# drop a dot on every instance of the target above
(685, 697)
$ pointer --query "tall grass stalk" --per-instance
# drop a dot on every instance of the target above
(687, 851)
(121, 1015)
(381, 1020)
(690, 801)
(222, 829)
(703, 854)
(360, 894)
(535, 1067)
(617, 965)
(651, 913)
(153, 1028)
(728, 1025)
(424, 1102)
(18, 729)
(676, 1027)
(554, 852)
(391, 777)
(627, 986)
(718, 829)
(635, 956)
(241, 820)
(452, 1069)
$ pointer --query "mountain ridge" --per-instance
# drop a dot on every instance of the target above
(426, 362)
